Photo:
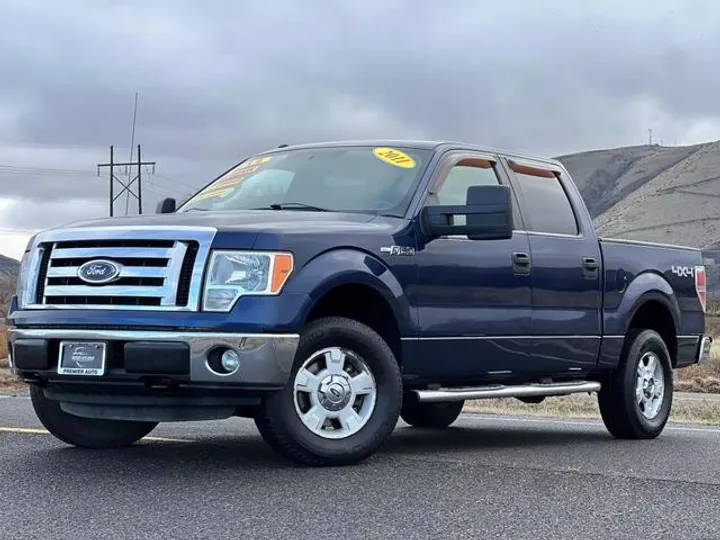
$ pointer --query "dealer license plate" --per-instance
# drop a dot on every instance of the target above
(81, 358)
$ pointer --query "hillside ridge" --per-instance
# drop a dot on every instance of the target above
(8, 267)
(653, 193)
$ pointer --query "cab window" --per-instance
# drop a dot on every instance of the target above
(466, 173)
(547, 205)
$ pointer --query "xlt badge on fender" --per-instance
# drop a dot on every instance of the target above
(398, 250)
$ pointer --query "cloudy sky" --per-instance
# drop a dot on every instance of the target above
(220, 79)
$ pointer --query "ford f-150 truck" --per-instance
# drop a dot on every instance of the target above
(327, 290)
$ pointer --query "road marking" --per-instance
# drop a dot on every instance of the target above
(39, 431)
(595, 423)
(22, 430)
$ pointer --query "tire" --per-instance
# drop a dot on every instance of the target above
(376, 402)
(430, 415)
(622, 412)
(86, 432)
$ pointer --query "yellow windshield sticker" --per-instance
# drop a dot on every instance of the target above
(243, 171)
(394, 157)
(211, 194)
(257, 161)
(234, 177)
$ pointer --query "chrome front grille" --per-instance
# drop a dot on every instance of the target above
(160, 269)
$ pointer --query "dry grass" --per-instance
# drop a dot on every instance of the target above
(7, 381)
(706, 377)
(3, 345)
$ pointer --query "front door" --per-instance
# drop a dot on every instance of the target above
(473, 296)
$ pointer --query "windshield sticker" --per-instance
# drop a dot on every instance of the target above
(394, 157)
(234, 177)
(244, 170)
(211, 194)
(257, 161)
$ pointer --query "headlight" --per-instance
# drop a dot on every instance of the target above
(233, 274)
(22, 278)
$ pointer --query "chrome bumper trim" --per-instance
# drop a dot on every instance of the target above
(264, 358)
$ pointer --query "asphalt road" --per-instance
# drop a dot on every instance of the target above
(486, 477)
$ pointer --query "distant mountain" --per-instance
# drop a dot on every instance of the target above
(654, 193)
(8, 267)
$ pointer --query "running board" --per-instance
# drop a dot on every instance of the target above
(502, 391)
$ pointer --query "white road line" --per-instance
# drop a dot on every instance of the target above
(595, 423)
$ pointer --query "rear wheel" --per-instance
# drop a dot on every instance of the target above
(635, 402)
(342, 400)
(86, 432)
(430, 415)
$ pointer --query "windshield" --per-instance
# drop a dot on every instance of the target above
(347, 179)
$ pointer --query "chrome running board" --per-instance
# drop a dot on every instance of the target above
(503, 391)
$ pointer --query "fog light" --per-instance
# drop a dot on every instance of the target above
(230, 360)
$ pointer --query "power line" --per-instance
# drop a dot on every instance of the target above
(39, 171)
(194, 188)
(4, 230)
(162, 187)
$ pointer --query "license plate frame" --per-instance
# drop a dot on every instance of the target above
(82, 358)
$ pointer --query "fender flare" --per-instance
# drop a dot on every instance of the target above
(645, 287)
(346, 266)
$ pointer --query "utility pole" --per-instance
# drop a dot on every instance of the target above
(650, 136)
(129, 186)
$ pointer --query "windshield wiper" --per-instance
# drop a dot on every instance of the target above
(298, 206)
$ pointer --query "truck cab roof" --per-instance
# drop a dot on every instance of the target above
(421, 144)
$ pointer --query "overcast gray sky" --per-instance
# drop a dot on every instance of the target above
(218, 80)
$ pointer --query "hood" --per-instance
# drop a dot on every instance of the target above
(244, 221)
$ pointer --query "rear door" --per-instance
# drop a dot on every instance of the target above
(566, 270)
(473, 296)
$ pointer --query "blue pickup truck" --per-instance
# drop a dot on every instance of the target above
(327, 290)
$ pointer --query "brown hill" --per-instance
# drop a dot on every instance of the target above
(654, 193)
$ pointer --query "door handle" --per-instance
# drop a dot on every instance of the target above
(521, 263)
(590, 267)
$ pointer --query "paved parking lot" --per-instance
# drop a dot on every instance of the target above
(486, 477)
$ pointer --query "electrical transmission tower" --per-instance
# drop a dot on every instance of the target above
(136, 181)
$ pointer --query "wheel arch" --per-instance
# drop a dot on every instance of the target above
(650, 303)
(357, 285)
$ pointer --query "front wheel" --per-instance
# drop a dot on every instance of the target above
(635, 402)
(342, 400)
(86, 432)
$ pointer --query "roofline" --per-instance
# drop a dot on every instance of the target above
(437, 145)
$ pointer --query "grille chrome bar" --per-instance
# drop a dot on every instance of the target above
(105, 290)
(149, 278)
(112, 252)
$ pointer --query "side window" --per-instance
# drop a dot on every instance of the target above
(547, 205)
(468, 172)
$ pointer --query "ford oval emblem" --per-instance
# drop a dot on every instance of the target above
(99, 272)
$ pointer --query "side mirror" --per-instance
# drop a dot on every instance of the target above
(488, 216)
(166, 206)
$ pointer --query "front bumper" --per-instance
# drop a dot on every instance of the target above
(173, 359)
